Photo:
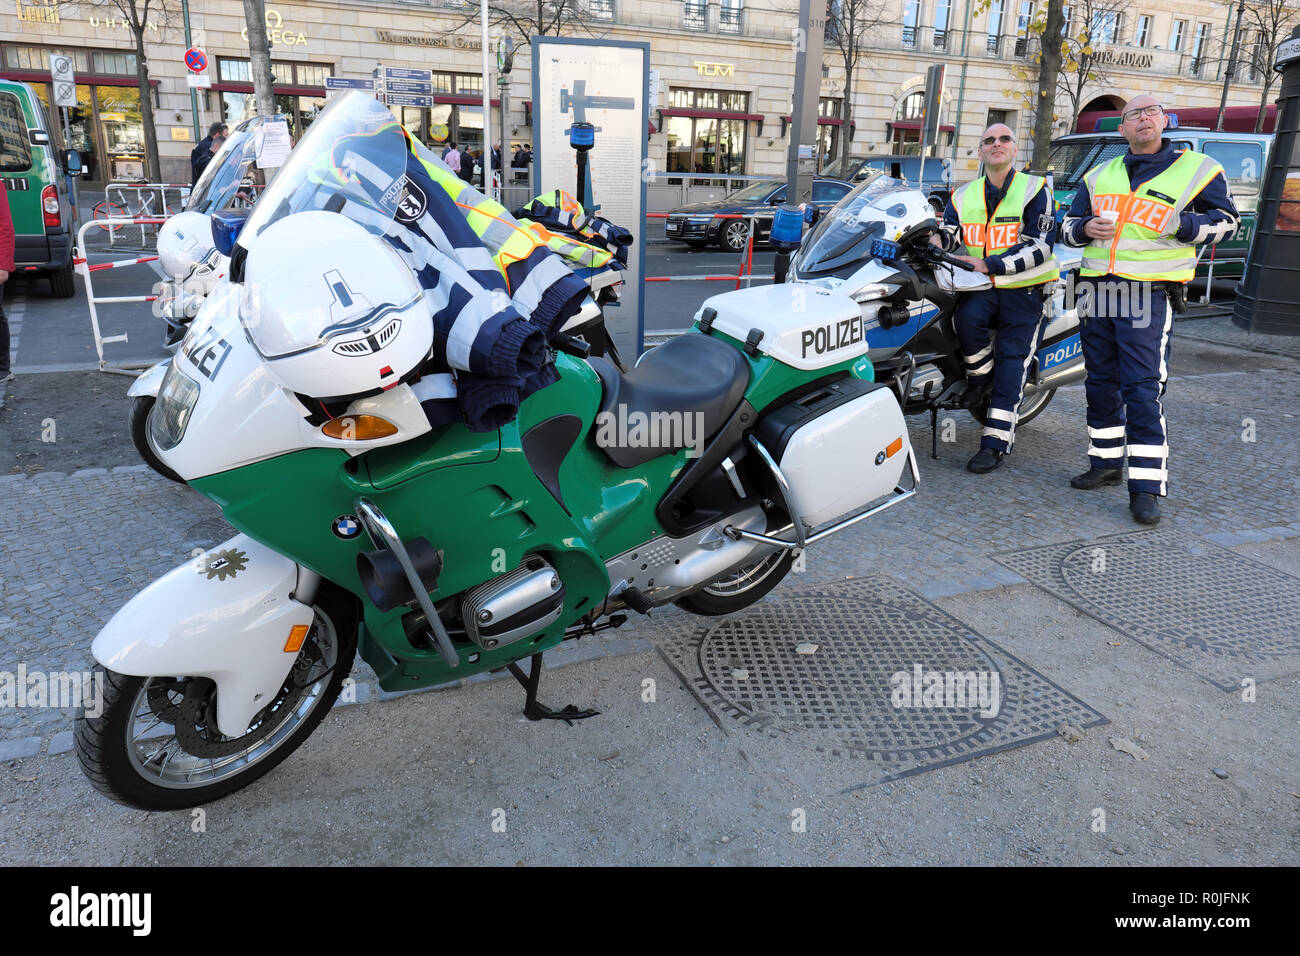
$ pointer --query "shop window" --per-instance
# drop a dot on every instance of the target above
(443, 83)
(468, 83)
(38, 58)
(113, 62)
(119, 119)
(306, 74)
(238, 70)
(15, 153)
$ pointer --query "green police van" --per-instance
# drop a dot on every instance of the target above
(1242, 156)
(38, 198)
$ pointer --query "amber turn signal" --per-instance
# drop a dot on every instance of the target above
(297, 634)
(358, 428)
(894, 447)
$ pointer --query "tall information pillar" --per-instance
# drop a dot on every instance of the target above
(1268, 298)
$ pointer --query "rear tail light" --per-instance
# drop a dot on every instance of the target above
(50, 207)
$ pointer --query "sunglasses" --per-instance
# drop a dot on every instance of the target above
(1132, 115)
(990, 140)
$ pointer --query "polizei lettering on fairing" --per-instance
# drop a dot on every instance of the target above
(1050, 358)
(832, 336)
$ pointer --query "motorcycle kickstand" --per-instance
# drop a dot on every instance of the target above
(934, 432)
(532, 709)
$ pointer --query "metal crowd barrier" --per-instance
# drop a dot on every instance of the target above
(84, 269)
(145, 194)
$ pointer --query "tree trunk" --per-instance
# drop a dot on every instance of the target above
(1263, 105)
(259, 52)
(846, 115)
(153, 168)
(1049, 71)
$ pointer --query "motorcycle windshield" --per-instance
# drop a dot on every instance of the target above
(351, 162)
(872, 210)
(234, 166)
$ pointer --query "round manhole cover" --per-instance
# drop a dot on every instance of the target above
(1198, 600)
(884, 678)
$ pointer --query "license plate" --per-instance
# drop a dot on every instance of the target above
(672, 227)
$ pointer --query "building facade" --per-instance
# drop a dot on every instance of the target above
(724, 69)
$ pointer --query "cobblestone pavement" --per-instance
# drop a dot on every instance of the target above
(78, 545)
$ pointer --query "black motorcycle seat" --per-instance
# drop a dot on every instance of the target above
(690, 374)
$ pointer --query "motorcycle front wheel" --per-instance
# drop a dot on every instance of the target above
(138, 422)
(155, 744)
(741, 588)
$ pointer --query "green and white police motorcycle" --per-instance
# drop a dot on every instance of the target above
(438, 552)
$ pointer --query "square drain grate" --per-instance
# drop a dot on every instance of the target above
(851, 696)
(1217, 613)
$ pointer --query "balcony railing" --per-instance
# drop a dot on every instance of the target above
(909, 37)
(695, 16)
(601, 9)
(941, 39)
(731, 20)
(993, 44)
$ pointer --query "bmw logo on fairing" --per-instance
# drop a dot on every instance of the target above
(346, 527)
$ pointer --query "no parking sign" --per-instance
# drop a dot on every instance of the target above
(196, 61)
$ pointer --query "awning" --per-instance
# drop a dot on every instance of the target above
(276, 88)
(916, 125)
(710, 114)
(821, 121)
(88, 79)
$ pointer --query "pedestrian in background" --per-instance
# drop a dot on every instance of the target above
(6, 267)
(214, 147)
(451, 156)
(1139, 217)
(201, 153)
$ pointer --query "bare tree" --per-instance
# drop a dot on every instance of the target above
(259, 56)
(525, 18)
(141, 16)
(1093, 25)
(1271, 22)
(848, 26)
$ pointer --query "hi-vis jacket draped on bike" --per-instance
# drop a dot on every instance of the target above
(1167, 203)
(1011, 229)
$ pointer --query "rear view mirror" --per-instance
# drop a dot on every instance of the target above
(776, 200)
(70, 160)
(38, 137)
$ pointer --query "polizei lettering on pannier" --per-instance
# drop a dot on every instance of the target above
(832, 336)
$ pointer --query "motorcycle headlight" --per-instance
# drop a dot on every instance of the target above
(171, 412)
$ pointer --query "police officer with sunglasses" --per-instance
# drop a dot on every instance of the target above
(1004, 223)
(1139, 217)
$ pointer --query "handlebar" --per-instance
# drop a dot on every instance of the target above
(954, 261)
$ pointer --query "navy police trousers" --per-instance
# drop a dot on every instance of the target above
(1021, 320)
(1125, 328)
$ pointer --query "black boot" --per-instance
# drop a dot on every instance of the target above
(1145, 507)
(1095, 478)
(984, 460)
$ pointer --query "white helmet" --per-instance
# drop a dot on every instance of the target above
(333, 309)
(188, 254)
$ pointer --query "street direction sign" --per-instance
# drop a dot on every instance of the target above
(408, 99)
(63, 79)
(196, 61)
(400, 73)
(346, 83)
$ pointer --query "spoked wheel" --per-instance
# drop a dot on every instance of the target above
(741, 588)
(110, 210)
(1030, 406)
(156, 745)
(733, 235)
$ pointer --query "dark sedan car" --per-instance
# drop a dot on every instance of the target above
(699, 225)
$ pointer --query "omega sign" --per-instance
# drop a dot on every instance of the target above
(1138, 61)
(275, 32)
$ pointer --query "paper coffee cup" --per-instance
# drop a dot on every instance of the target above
(1108, 215)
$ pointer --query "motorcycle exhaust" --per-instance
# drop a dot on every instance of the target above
(385, 580)
(1059, 378)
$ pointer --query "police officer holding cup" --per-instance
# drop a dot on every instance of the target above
(1139, 217)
